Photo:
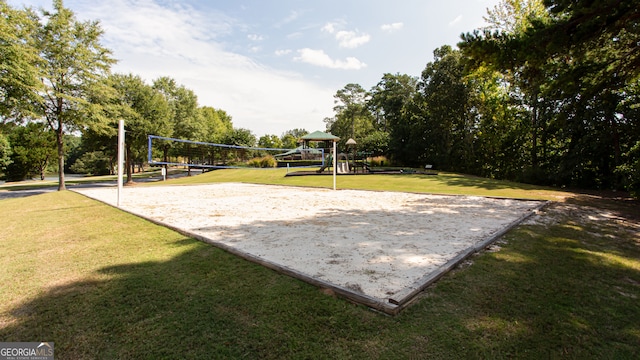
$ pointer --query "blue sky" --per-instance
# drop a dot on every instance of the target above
(275, 65)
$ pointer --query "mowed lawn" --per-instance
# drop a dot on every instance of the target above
(101, 283)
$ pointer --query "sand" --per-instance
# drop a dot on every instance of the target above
(373, 243)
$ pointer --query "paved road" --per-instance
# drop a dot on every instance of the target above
(8, 194)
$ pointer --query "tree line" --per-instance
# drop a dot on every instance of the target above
(547, 94)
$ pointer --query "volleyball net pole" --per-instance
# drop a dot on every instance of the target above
(120, 158)
(335, 160)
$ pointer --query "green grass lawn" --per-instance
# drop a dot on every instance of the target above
(101, 283)
(443, 183)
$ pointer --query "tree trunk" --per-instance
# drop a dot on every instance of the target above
(128, 163)
(60, 143)
(534, 133)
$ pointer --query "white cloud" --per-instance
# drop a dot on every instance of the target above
(347, 39)
(392, 27)
(294, 35)
(282, 52)
(177, 41)
(320, 58)
(351, 39)
(255, 37)
(455, 21)
(329, 27)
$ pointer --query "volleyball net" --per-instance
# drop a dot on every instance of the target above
(198, 154)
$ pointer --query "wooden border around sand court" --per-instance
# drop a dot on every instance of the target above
(415, 210)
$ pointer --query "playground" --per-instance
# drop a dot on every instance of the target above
(375, 248)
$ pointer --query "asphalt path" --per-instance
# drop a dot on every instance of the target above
(9, 194)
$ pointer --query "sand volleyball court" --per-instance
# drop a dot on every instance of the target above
(376, 248)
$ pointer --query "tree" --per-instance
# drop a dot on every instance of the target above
(183, 103)
(599, 36)
(33, 147)
(93, 163)
(514, 16)
(145, 111)
(270, 141)
(524, 70)
(240, 137)
(390, 100)
(376, 143)
(19, 79)
(290, 138)
(5, 152)
(289, 141)
(216, 124)
(73, 67)
(449, 120)
(570, 71)
(390, 97)
(352, 116)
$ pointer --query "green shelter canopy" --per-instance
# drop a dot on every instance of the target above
(320, 136)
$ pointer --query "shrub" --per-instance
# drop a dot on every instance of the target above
(380, 161)
(263, 162)
(92, 163)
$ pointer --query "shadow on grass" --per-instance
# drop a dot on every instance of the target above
(203, 303)
(551, 292)
(483, 183)
(618, 203)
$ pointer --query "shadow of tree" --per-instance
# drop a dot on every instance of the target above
(551, 292)
(204, 303)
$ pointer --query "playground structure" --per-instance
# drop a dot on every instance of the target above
(346, 164)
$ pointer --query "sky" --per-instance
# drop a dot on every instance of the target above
(275, 65)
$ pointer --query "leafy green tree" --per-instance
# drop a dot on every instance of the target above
(289, 141)
(92, 163)
(390, 101)
(390, 97)
(501, 127)
(296, 133)
(185, 115)
(19, 78)
(73, 150)
(270, 141)
(524, 70)
(73, 67)
(569, 70)
(33, 147)
(601, 37)
(5, 152)
(449, 121)
(514, 16)
(352, 116)
(144, 110)
(377, 143)
(240, 137)
(216, 124)
(290, 138)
